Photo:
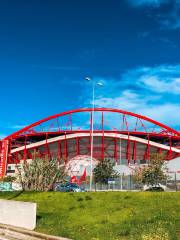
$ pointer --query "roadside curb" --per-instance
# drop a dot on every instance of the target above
(7, 228)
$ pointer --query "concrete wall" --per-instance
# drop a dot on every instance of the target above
(19, 214)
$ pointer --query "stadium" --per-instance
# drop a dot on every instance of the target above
(124, 137)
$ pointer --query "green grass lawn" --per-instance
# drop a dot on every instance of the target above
(106, 215)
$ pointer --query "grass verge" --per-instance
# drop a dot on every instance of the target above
(106, 215)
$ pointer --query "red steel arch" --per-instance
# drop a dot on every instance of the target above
(164, 127)
(17, 146)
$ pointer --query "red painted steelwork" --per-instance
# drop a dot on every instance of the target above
(168, 129)
(103, 146)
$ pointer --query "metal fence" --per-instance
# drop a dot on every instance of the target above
(127, 183)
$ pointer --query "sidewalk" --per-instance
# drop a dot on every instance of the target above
(13, 233)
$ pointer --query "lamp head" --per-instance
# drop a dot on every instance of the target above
(87, 78)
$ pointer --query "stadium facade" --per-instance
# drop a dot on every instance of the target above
(124, 137)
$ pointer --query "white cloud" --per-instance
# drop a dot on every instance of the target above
(128, 100)
(166, 113)
(159, 85)
(149, 91)
(161, 79)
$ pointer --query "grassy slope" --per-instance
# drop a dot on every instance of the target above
(105, 215)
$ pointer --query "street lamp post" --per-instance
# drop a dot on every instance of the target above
(92, 126)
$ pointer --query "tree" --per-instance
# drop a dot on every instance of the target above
(40, 174)
(152, 174)
(103, 171)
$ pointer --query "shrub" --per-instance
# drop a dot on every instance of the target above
(40, 174)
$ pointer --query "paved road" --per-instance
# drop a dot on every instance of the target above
(11, 237)
(7, 238)
(13, 233)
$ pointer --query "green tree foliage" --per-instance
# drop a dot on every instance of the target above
(153, 173)
(103, 171)
(40, 174)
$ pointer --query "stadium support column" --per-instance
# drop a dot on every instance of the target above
(120, 151)
(128, 149)
(147, 150)
(3, 159)
(9, 150)
(77, 146)
(25, 149)
(65, 148)
(16, 158)
(134, 152)
(47, 146)
(59, 150)
(159, 151)
(170, 150)
(115, 149)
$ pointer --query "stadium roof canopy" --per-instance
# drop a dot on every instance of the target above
(117, 134)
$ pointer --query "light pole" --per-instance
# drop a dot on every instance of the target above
(94, 84)
(120, 146)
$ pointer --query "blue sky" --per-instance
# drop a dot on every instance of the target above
(47, 48)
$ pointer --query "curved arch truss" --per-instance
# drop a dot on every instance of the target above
(118, 134)
(105, 119)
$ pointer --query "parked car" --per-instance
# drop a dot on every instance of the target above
(67, 187)
(154, 188)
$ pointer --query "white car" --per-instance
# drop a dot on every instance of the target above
(151, 187)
